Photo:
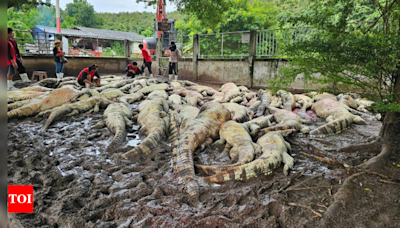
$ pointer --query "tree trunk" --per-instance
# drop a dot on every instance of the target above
(390, 132)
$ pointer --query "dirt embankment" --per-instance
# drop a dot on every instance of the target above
(78, 184)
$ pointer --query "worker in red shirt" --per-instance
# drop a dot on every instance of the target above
(146, 60)
(132, 70)
(11, 60)
(88, 76)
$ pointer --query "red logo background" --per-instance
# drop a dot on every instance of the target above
(18, 207)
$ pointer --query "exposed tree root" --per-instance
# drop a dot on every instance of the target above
(370, 146)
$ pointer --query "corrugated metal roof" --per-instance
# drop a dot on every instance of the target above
(111, 34)
(93, 33)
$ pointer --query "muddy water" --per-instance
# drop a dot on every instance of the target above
(78, 184)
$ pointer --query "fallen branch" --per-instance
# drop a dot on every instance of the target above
(388, 182)
(306, 207)
(292, 178)
(326, 160)
(308, 188)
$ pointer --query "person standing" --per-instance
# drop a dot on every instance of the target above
(174, 57)
(146, 60)
(11, 60)
(58, 55)
(20, 62)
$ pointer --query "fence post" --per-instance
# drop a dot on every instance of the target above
(196, 51)
(252, 55)
(159, 52)
(127, 44)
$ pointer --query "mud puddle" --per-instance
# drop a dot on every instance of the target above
(78, 184)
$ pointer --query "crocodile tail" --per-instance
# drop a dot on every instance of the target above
(54, 116)
(119, 138)
(148, 144)
(214, 169)
(173, 128)
(274, 128)
(17, 104)
(334, 127)
(261, 166)
(184, 166)
(27, 110)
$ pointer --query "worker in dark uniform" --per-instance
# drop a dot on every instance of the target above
(20, 62)
(132, 70)
(88, 76)
(146, 60)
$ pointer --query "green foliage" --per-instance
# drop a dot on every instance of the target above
(26, 4)
(84, 14)
(118, 48)
(344, 56)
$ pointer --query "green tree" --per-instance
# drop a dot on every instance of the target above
(358, 57)
(84, 14)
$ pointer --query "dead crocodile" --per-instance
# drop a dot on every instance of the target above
(117, 116)
(274, 152)
(255, 125)
(243, 150)
(337, 116)
(304, 102)
(265, 96)
(111, 93)
(203, 129)
(51, 100)
(239, 112)
(130, 98)
(286, 120)
(230, 91)
(18, 95)
(151, 88)
(154, 123)
(288, 100)
(92, 104)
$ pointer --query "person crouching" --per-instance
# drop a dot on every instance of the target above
(88, 76)
(132, 70)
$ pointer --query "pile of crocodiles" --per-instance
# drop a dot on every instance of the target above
(189, 117)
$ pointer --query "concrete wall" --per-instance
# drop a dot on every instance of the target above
(76, 64)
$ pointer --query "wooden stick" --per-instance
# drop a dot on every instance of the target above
(329, 161)
(388, 182)
(306, 207)
(321, 205)
(292, 178)
(308, 188)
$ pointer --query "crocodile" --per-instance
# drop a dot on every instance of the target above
(73, 83)
(114, 84)
(255, 125)
(136, 88)
(204, 90)
(18, 104)
(239, 113)
(186, 114)
(83, 106)
(17, 95)
(243, 149)
(253, 109)
(175, 100)
(154, 123)
(200, 130)
(237, 99)
(151, 88)
(252, 101)
(305, 102)
(347, 100)
(274, 152)
(193, 100)
(230, 91)
(276, 102)
(265, 97)
(49, 101)
(117, 117)
(126, 88)
(336, 114)
(244, 89)
(36, 89)
(130, 98)
(158, 93)
(49, 82)
(288, 100)
(286, 120)
(112, 93)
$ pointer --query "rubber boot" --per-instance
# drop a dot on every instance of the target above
(61, 75)
(151, 76)
(58, 76)
(87, 85)
(144, 75)
(24, 77)
(176, 77)
(10, 85)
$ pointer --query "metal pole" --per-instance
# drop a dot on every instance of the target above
(58, 16)
(222, 44)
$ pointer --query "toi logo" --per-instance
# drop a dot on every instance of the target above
(20, 199)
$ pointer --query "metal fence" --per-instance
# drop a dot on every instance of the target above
(224, 45)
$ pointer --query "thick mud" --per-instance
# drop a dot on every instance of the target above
(78, 184)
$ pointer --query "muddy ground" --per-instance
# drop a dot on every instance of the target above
(78, 184)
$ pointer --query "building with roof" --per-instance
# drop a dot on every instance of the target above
(84, 41)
